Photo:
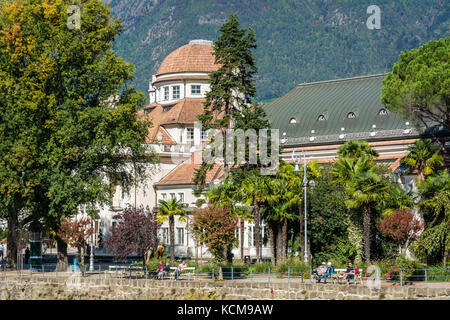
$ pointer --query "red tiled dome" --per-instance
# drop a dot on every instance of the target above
(197, 56)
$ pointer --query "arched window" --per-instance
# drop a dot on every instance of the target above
(382, 112)
(321, 118)
(292, 120)
(351, 115)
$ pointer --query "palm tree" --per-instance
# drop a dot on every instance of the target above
(252, 192)
(167, 210)
(424, 157)
(397, 198)
(354, 149)
(364, 186)
(278, 212)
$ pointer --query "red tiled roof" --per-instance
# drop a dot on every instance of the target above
(166, 138)
(189, 58)
(184, 111)
(185, 172)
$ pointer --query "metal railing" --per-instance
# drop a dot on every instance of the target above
(291, 274)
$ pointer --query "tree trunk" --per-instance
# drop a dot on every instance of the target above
(280, 257)
(242, 238)
(12, 238)
(219, 267)
(61, 255)
(284, 239)
(82, 256)
(366, 232)
(257, 231)
(172, 238)
(273, 246)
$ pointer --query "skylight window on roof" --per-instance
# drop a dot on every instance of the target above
(148, 110)
(292, 120)
(321, 118)
(382, 112)
(351, 115)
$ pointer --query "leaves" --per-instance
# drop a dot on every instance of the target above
(215, 228)
(136, 231)
(75, 232)
(61, 135)
(402, 226)
(418, 84)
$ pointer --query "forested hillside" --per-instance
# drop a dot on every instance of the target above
(298, 40)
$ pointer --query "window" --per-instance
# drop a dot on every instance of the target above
(382, 112)
(292, 121)
(165, 235)
(204, 135)
(172, 196)
(164, 196)
(176, 92)
(167, 108)
(321, 118)
(181, 197)
(195, 89)
(166, 93)
(190, 134)
(180, 236)
(351, 115)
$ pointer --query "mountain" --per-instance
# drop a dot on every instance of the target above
(298, 40)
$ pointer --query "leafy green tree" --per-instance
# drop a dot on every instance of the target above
(434, 243)
(81, 121)
(364, 187)
(418, 84)
(167, 210)
(329, 219)
(424, 157)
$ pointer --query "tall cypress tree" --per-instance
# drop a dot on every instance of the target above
(230, 102)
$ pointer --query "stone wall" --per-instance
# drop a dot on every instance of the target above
(125, 289)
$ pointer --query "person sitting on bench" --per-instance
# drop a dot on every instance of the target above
(166, 270)
(180, 269)
(329, 272)
(351, 272)
(320, 270)
(159, 270)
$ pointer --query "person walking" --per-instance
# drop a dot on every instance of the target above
(2, 249)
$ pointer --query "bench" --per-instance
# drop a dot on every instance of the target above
(123, 270)
(340, 274)
(173, 272)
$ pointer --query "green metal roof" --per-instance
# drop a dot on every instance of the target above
(335, 99)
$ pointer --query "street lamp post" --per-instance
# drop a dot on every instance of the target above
(296, 160)
(91, 258)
